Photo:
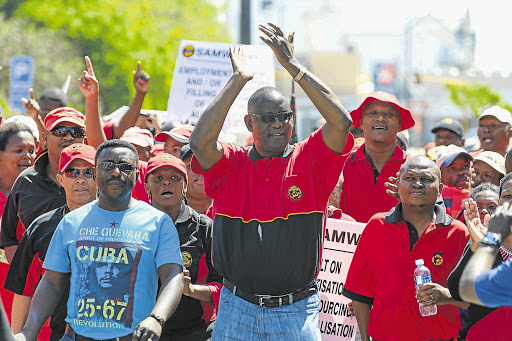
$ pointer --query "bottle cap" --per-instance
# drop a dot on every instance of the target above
(419, 262)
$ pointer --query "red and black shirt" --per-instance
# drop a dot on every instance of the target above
(32, 194)
(270, 213)
(381, 274)
(32, 248)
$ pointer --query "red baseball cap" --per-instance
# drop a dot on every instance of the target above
(405, 114)
(138, 136)
(74, 152)
(180, 134)
(166, 160)
(63, 114)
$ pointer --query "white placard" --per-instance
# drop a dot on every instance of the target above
(340, 241)
(201, 72)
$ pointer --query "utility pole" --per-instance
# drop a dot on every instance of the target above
(245, 22)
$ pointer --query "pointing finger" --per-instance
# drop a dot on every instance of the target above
(88, 62)
(138, 67)
(31, 93)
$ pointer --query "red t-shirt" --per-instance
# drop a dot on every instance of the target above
(453, 198)
(381, 274)
(362, 193)
(108, 129)
(139, 191)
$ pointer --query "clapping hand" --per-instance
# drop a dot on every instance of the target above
(282, 47)
(392, 186)
(476, 229)
(238, 62)
(88, 83)
(140, 80)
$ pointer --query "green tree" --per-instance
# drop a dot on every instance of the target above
(475, 97)
(54, 58)
(118, 33)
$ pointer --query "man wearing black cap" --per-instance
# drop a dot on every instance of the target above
(448, 131)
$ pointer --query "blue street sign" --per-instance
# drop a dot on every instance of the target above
(22, 77)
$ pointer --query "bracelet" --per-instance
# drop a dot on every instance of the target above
(302, 71)
(159, 319)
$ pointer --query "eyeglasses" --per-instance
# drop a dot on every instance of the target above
(76, 132)
(268, 117)
(75, 173)
(123, 166)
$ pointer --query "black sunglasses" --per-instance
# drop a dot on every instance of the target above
(269, 117)
(76, 132)
(123, 166)
(75, 172)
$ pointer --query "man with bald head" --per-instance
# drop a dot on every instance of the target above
(380, 275)
(270, 201)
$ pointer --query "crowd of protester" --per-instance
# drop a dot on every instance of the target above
(145, 230)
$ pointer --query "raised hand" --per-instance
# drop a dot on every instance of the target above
(474, 224)
(238, 62)
(31, 106)
(282, 46)
(88, 83)
(140, 80)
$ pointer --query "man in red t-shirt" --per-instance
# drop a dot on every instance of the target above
(380, 278)
(367, 169)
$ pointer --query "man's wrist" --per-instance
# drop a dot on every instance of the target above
(158, 318)
(491, 239)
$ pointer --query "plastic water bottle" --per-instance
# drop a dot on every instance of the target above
(422, 276)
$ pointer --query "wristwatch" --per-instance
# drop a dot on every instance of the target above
(491, 238)
(159, 319)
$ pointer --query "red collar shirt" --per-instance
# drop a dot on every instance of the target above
(381, 274)
(270, 213)
(364, 193)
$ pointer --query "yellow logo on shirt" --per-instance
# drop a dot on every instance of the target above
(294, 193)
(187, 258)
(437, 259)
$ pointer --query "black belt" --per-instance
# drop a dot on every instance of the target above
(269, 301)
(71, 333)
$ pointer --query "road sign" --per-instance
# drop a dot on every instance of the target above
(22, 77)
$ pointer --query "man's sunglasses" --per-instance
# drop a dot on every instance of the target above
(123, 166)
(75, 173)
(283, 116)
(76, 132)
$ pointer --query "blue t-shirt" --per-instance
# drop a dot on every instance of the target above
(493, 287)
(113, 258)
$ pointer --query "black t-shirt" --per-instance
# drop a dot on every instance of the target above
(194, 230)
(475, 312)
(33, 245)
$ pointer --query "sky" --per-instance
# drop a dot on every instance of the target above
(490, 20)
